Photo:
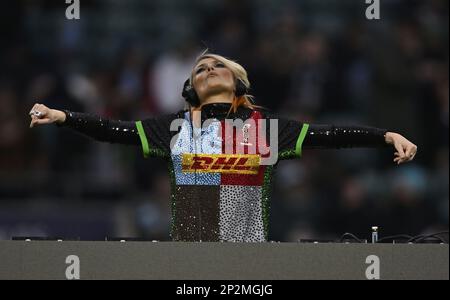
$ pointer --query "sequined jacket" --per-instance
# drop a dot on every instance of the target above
(219, 195)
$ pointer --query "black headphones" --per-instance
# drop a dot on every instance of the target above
(190, 95)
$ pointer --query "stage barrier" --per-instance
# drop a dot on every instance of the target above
(236, 261)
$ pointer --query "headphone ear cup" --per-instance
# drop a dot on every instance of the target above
(241, 89)
(189, 94)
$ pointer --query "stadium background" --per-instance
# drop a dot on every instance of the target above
(317, 61)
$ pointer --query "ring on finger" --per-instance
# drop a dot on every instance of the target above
(36, 113)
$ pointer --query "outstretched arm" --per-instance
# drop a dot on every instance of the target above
(98, 128)
(330, 136)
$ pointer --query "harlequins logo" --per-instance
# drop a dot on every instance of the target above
(221, 163)
(245, 135)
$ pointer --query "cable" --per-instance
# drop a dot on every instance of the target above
(398, 236)
(419, 238)
(352, 236)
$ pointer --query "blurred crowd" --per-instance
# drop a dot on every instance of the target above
(315, 61)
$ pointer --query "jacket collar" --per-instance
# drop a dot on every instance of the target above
(216, 110)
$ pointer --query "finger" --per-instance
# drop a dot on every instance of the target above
(44, 113)
(33, 118)
(40, 107)
(41, 121)
(412, 156)
(398, 161)
(409, 151)
(32, 109)
(33, 121)
(35, 107)
(39, 110)
(41, 113)
(36, 113)
(399, 148)
(37, 121)
(405, 159)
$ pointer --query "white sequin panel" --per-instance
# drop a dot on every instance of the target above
(241, 214)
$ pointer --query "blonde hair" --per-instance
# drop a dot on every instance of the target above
(239, 73)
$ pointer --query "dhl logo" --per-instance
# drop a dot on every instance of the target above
(221, 163)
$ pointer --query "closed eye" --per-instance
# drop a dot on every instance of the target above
(202, 68)
(199, 70)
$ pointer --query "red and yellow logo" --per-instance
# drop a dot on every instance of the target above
(221, 163)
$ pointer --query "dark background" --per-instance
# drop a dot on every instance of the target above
(315, 61)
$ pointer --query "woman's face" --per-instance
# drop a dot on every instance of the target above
(211, 77)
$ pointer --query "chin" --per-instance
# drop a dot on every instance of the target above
(217, 89)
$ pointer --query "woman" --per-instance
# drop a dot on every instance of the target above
(220, 194)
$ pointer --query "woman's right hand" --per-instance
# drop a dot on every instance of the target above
(41, 114)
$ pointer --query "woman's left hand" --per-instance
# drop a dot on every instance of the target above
(405, 149)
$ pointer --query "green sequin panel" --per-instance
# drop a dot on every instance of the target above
(265, 202)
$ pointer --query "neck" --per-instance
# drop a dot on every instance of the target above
(218, 98)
